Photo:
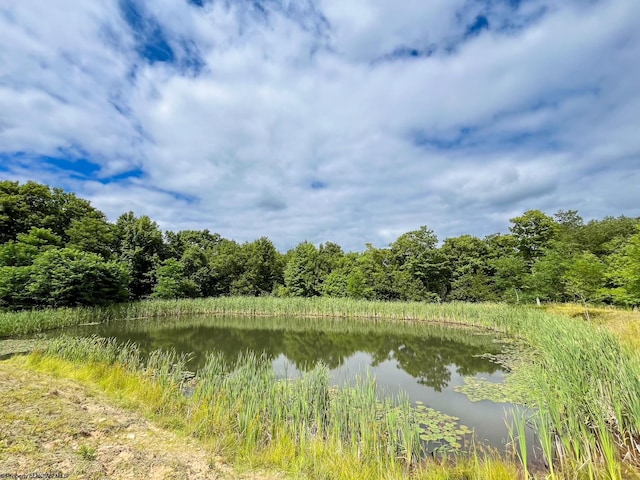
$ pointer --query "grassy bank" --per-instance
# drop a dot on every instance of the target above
(246, 415)
(55, 427)
(581, 379)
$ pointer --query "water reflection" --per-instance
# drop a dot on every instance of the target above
(430, 354)
(423, 361)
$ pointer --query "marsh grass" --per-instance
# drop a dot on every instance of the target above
(621, 322)
(583, 384)
(501, 317)
(251, 415)
(580, 378)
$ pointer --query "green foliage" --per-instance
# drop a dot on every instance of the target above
(585, 277)
(39, 238)
(141, 248)
(16, 254)
(624, 270)
(555, 258)
(509, 277)
(172, 282)
(336, 284)
(470, 270)
(87, 453)
(570, 226)
(533, 231)
(357, 286)
(416, 254)
(262, 267)
(13, 286)
(226, 265)
(548, 276)
(68, 277)
(302, 274)
(375, 274)
(92, 234)
(602, 237)
(29, 205)
(178, 242)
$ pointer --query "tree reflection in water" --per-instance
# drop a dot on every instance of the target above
(427, 352)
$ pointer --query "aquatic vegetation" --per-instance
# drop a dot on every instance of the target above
(252, 412)
(581, 381)
(439, 429)
(494, 316)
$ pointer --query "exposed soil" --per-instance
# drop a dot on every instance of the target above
(57, 428)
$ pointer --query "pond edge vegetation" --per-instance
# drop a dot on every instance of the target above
(580, 379)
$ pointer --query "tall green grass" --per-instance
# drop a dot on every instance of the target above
(586, 388)
(584, 385)
(503, 317)
(251, 413)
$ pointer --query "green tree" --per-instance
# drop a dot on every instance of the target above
(141, 248)
(69, 277)
(533, 231)
(226, 265)
(336, 284)
(548, 275)
(330, 256)
(357, 286)
(196, 269)
(570, 226)
(178, 243)
(13, 286)
(40, 238)
(416, 253)
(262, 268)
(624, 271)
(470, 271)
(302, 275)
(509, 276)
(92, 233)
(16, 260)
(585, 278)
(17, 254)
(23, 207)
(343, 273)
(375, 268)
(172, 282)
(606, 236)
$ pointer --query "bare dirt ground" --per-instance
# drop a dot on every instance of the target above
(57, 428)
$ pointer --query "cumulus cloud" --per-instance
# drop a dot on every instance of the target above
(327, 121)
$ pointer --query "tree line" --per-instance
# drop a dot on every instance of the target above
(58, 250)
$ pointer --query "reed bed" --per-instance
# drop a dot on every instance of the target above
(251, 412)
(583, 383)
(585, 386)
(502, 317)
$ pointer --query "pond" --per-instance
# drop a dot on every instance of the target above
(426, 361)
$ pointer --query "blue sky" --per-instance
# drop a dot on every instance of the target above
(328, 120)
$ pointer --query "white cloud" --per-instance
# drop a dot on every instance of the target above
(511, 119)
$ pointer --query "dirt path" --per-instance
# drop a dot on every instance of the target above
(58, 428)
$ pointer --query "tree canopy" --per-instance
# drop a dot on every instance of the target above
(58, 250)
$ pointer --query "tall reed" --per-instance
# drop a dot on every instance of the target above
(503, 317)
(583, 382)
(257, 413)
(584, 385)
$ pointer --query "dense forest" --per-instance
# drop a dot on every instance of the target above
(58, 250)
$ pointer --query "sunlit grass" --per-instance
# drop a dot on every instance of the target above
(583, 379)
(623, 323)
(250, 415)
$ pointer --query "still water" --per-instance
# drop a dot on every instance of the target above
(425, 361)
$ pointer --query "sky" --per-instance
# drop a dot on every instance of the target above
(329, 120)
